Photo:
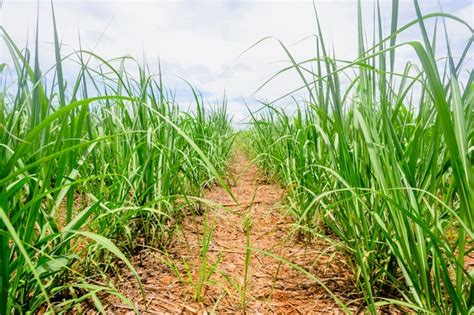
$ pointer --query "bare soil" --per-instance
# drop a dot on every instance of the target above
(278, 280)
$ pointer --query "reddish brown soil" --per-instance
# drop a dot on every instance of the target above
(273, 286)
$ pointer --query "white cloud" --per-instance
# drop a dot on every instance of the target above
(199, 40)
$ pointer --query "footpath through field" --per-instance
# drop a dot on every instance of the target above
(175, 280)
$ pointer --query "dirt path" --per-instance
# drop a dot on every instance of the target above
(171, 280)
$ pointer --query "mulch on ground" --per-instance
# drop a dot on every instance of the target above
(273, 285)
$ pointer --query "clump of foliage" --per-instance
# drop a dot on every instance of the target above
(385, 162)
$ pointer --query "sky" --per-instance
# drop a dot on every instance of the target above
(200, 40)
